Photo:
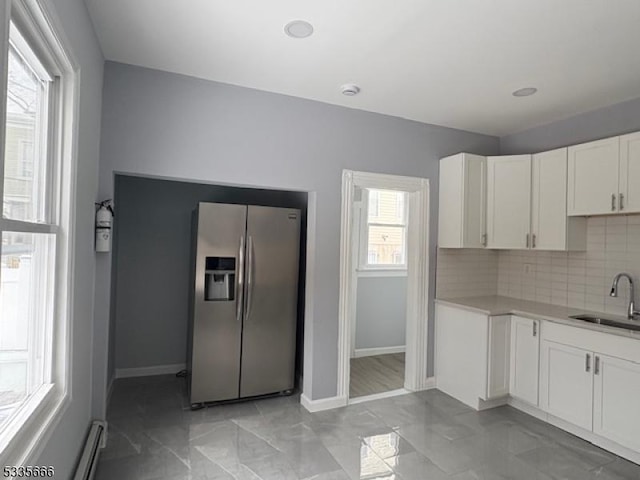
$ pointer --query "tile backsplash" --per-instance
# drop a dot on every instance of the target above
(466, 273)
(574, 279)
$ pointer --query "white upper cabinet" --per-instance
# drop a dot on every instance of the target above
(536, 201)
(509, 201)
(461, 220)
(527, 203)
(551, 229)
(629, 195)
(594, 170)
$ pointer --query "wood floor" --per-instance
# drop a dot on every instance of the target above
(376, 374)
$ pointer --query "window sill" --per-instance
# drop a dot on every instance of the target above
(381, 272)
(25, 432)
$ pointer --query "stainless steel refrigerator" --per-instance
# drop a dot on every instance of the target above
(244, 297)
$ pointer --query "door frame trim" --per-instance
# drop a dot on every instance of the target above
(417, 275)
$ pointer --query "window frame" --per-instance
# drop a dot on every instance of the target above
(23, 437)
(364, 267)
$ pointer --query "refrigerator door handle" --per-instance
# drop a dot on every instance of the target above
(249, 278)
(240, 293)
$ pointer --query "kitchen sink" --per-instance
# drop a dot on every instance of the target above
(608, 322)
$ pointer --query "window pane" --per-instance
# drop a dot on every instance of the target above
(388, 206)
(25, 168)
(25, 315)
(386, 245)
(373, 203)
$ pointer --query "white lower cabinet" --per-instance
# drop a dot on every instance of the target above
(566, 383)
(498, 365)
(581, 377)
(616, 402)
(472, 355)
(525, 358)
(592, 390)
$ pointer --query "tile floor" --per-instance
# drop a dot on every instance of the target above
(426, 436)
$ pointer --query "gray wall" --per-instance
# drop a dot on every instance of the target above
(381, 311)
(65, 440)
(606, 122)
(152, 262)
(164, 124)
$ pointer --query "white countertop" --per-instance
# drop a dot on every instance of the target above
(496, 305)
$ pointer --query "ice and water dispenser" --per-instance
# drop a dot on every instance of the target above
(220, 279)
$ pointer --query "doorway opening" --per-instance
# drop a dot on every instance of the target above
(379, 319)
(383, 286)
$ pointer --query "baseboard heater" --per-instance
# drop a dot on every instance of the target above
(88, 463)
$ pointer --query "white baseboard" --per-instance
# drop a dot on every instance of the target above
(378, 396)
(148, 371)
(323, 403)
(493, 403)
(429, 383)
(369, 352)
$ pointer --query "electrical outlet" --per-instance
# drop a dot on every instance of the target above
(528, 270)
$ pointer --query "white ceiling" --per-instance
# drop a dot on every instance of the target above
(447, 62)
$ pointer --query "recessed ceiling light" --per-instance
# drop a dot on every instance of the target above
(524, 92)
(350, 89)
(298, 29)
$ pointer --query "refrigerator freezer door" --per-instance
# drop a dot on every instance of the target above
(269, 331)
(217, 327)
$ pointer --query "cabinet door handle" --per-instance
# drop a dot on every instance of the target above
(613, 202)
(596, 368)
(527, 241)
(587, 364)
(535, 329)
(484, 240)
(621, 201)
(533, 241)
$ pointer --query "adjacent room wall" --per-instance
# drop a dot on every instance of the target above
(381, 312)
(163, 124)
(72, 22)
(153, 260)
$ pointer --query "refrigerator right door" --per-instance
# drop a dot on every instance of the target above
(271, 299)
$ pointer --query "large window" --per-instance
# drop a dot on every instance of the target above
(28, 238)
(384, 230)
(35, 166)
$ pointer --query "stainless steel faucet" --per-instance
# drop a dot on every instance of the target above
(631, 311)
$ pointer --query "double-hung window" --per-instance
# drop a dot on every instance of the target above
(383, 237)
(35, 161)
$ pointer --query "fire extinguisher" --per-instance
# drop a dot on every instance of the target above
(104, 215)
